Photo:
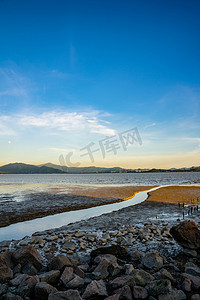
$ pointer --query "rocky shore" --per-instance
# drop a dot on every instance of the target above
(109, 272)
(106, 257)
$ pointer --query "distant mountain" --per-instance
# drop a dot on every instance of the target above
(78, 170)
(48, 168)
(20, 168)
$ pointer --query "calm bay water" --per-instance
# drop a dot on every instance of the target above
(117, 178)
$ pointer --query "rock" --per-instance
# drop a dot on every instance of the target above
(51, 277)
(187, 234)
(152, 260)
(67, 275)
(113, 297)
(190, 252)
(195, 280)
(43, 290)
(79, 234)
(125, 293)
(19, 279)
(26, 286)
(101, 271)
(158, 287)
(28, 254)
(68, 295)
(29, 269)
(195, 297)
(78, 271)
(173, 295)
(59, 262)
(69, 246)
(164, 274)
(3, 288)
(10, 296)
(75, 283)
(139, 292)
(121, 281)
(136, 255)
(5, 273)
(141, 277)
(7, 258)
(117, 250)
(17, 269)
(186, 285)
(128, 269)
(193, 270)
(95, 289)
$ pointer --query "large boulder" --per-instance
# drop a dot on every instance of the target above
(28, 254)
(187, 234)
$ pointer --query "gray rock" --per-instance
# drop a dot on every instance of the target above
(173, 295)
(26, 287)
(124, 293)
(28, 254)
(122, 281)
(43, 290)
(19, 279)
(195, 271)
(195, 297)
(186, 285)
(158, 287)
(10, 296)
(113, 297)
(136, 255)
(5, 273)
(67, 275)
(69, 246)
(3, 288)
(164, 274)
(51, 277)
(128, 269)
(101, 271)
(29, 269)
(190, 252)
(66, 295)
(153, 260)
(195, 280)
(142, 277)
(59, 262)
(95, 289)
(75, 283)
(139, 292)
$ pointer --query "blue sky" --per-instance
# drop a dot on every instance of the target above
(75, 72)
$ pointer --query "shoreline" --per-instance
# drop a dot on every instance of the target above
(46, 204)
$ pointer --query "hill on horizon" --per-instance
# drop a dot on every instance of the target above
(21, 168)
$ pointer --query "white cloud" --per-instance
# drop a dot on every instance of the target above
(90, 122)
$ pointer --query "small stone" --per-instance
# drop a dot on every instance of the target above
(195, 297)
(43, 290)
(67, 275)
(128, 268)
(76, 283)
(158, 287)
(50, 277)
(95, 289)
(59, 262)
(68, 295)
(141, 277)
(139, 292)
(153, 260)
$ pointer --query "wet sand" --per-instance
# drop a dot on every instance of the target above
(37, 205)
(176, 194)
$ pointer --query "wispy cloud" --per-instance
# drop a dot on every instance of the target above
(59, 121)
